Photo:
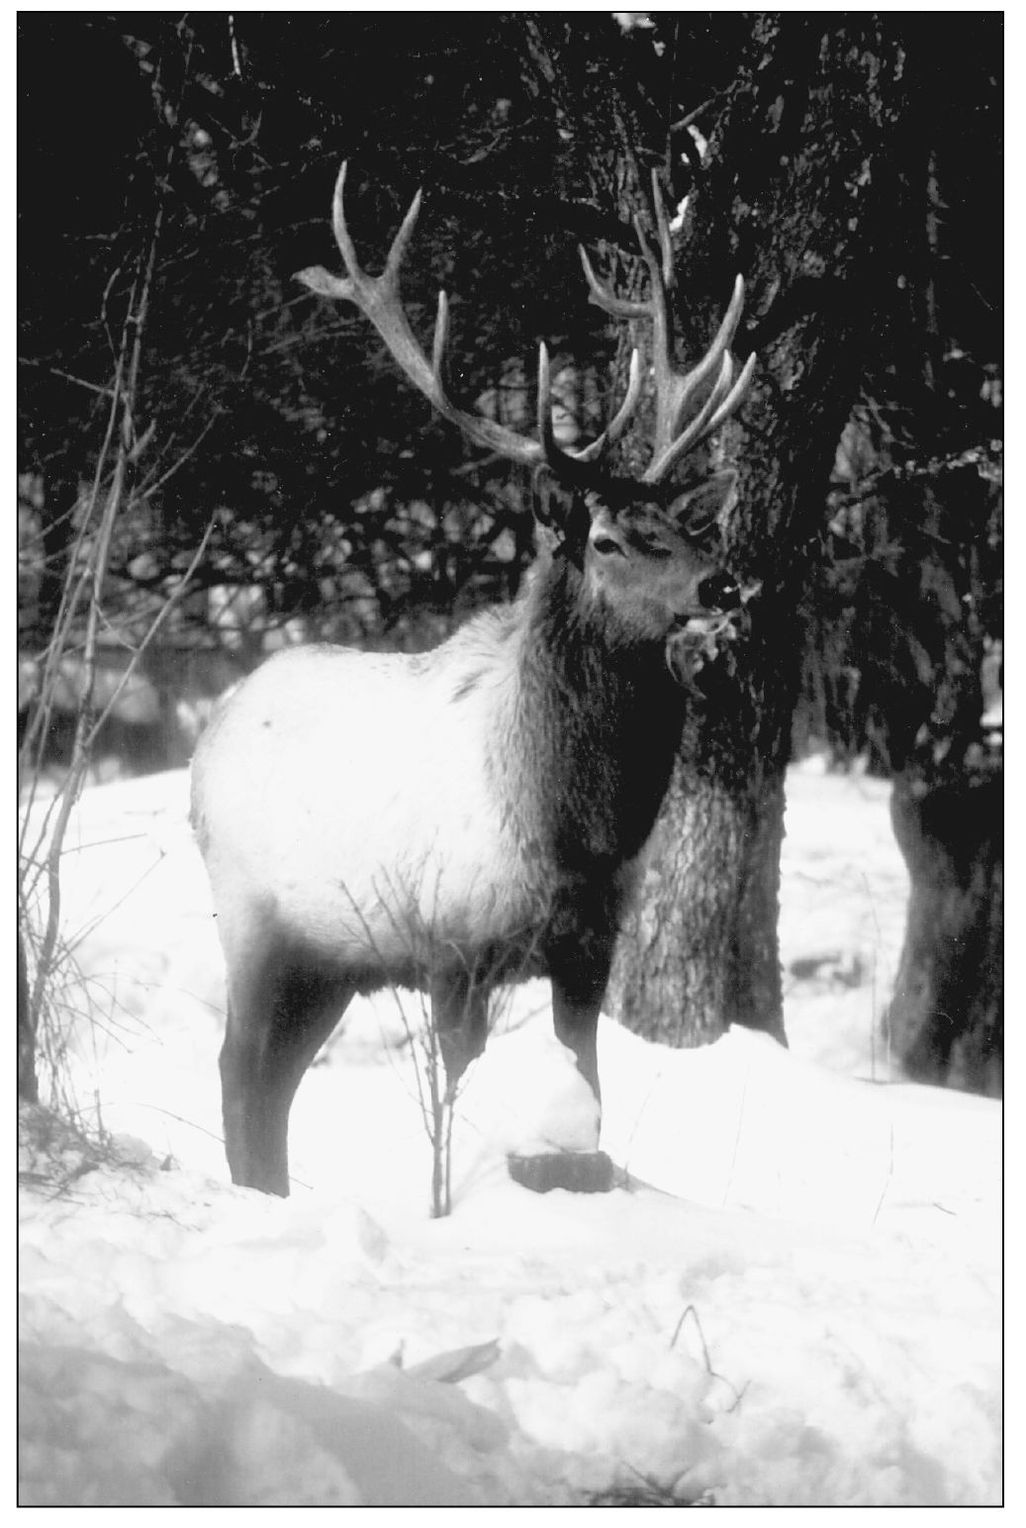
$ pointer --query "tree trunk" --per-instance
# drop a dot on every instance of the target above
(699, 952)
(795, 194)
(945, 1019)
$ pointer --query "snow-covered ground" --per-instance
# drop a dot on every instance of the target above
(792, 1298)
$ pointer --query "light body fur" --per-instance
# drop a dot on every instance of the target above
(370, 852)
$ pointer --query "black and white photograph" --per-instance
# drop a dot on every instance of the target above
(510, 923)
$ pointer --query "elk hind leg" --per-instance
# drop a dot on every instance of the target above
(283, 1004)
(459, 1014)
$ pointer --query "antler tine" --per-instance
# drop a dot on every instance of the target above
(720, 404)
(563, 462)
(602, 297)
(675, 392)
(662, 332)
(660, 465)
(546, 430)
(616, 426)
(379, 299)
(388, 281)
(724, 334)
(735, 397)
(441, 336)
(663, 229)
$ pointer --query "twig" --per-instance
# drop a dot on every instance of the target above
(692, 116)
(888, 1177)
(103, 388)
(689, 1310)
(176, 595)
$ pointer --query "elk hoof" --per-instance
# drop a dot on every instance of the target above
(582, 1172)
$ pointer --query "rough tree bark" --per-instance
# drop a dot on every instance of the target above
(944, 1022)
(945, 1018)
(795, 196)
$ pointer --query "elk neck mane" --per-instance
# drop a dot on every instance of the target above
(584, 719)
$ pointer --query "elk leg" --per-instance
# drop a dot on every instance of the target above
(281, 1009)
(575, 1012)
(577, 992)
(578, 959)
(578, 954)
(459, 1012)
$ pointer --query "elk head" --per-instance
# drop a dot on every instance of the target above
(647, 552)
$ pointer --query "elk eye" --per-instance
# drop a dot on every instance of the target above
(605, 546)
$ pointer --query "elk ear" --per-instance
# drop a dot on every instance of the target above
(698, 510)
(544, 498)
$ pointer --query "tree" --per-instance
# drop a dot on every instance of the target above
(905, 609)
(945, 1017)
(794, 193)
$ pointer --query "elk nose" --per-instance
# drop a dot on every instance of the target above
(718, 592)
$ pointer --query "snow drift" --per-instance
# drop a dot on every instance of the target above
(792, 1297)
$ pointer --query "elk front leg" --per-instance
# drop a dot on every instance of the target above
(575, 1011)
(576, 998)
(578, 965)
(579, 954)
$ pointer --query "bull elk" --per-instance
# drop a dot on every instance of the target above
(473, 815)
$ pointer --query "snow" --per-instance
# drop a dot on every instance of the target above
(791, 1298)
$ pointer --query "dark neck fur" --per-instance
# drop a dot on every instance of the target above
(600, 718)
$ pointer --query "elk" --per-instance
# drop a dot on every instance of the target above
(452, 820)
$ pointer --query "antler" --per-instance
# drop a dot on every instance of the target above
(674, 391)
(378, 297)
